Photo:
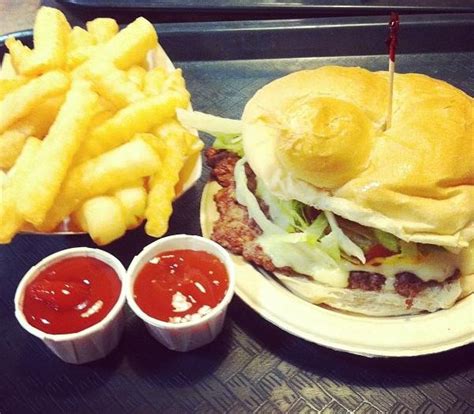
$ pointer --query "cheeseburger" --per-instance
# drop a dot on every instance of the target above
(311, 186)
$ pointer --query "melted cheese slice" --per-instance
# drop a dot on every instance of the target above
(437, 266)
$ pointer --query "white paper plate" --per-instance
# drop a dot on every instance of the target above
(363, 335)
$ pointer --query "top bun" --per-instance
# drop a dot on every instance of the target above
(328, 118)
(325, 141)
(317, 136)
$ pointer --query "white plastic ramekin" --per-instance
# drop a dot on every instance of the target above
(91, 343)
(187, 335)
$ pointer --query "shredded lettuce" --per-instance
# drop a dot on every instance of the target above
(308, 260)
(362, 236)
(330, 245)
(364, 243)
(408, 249)
(318, 226)
(227, 132)
(293, 238)
(294, 211)
(247, 198)
(387, 240)
(300, 250)
(287, 214)
(230, 143)
(290, 227)
(345, 243)
(327, 244)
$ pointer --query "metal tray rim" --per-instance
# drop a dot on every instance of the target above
(296, 24)
(202, 6)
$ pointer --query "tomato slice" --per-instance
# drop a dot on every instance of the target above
(378, 250)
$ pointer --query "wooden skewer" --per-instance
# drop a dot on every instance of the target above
(391, 73)
(392, 45)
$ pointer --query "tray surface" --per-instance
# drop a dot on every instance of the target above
(253, 365)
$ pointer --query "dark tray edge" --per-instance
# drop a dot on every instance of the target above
(307, 37)
(202, 7)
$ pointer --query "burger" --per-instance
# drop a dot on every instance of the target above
(312, 185)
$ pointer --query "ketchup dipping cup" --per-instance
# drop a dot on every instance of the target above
(93, 342)
(192, 331)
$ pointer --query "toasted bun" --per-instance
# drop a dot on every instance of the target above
(325, 141)
(317, 136)
(385, 303)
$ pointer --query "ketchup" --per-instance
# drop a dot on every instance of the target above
(71, 295)
(180, 285)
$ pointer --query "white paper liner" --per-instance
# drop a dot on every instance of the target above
(187, 335)
(91, 343)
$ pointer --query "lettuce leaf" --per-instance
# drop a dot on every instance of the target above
(247, 198)
(232, 143)
(227, 132)
(330, 245)
(287, 214)
(387, 240)
(408, 249)
(345, 243)
(308, 260)
(299, 250)
(318, 226)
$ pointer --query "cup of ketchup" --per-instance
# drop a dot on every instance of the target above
(180, 286)
(73, 301)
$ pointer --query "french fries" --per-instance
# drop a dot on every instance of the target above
(113, 84)
(20, 55)
(10, 218)
(135, 118)
(108, 217)
(133, 200)
(163, 183)
(130, 46)
(102, 29)
(137, 74)
(81, 46)
(79, 38)
(9, 85)
(114, 169)
(88, 132)
(57, 151)
(127, 48)
(7, 71)
(153, 81)
(36, 124)
(11, 144)
(51, 33)
(22, 101)
(3, 178)
(103, 218)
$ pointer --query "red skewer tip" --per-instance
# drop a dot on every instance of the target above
(392, 40)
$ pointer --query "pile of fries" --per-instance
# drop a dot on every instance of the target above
(88, 131)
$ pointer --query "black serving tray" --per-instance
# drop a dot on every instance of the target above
(252, 366)
(340, 36)
(301, 7)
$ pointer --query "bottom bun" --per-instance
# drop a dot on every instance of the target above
(385, 303)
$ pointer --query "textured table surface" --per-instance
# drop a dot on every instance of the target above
(252, 366)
